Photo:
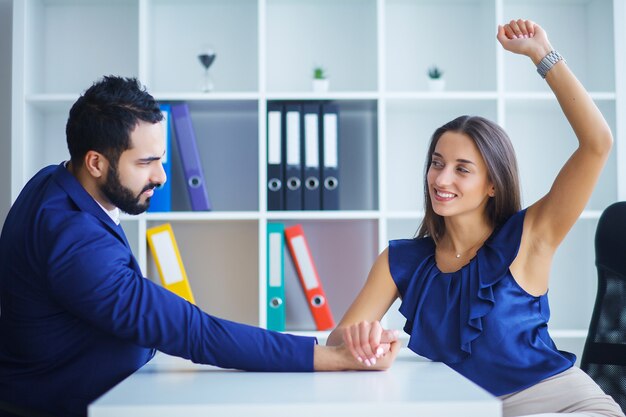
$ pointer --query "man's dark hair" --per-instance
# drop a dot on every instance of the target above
(104, 116)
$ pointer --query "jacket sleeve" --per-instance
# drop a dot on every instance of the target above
(93, 274)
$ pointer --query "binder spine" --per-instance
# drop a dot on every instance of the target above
(161, 201)
(275, 305)
(293, 158)
(309, 277)
(169, 263)
(275, 175)
(330, 145)
(312, 198)
(190, 158)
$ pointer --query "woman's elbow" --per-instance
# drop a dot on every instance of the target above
(607, 140)
(602, 143)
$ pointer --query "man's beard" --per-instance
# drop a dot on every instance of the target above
(123, 197)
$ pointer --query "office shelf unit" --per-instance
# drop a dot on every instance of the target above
(377, 53)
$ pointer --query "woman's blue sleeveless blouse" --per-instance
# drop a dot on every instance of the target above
(477, 320)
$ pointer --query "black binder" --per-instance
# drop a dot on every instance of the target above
(275, 167)
(312, 198)
(330, 160)
(292, 135)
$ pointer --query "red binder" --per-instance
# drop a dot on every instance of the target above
(309, 278)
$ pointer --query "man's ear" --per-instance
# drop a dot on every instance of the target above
(96, 164)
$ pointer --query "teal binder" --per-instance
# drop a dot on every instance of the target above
(275, 276)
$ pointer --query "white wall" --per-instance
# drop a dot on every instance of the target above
(6, 36)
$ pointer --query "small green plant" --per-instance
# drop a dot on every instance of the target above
(319, 73)
(434, 72)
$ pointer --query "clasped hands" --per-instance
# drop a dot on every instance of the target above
(370, 344)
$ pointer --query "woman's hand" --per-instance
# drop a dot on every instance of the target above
(367, 342)
(524, 37)
(339, 358)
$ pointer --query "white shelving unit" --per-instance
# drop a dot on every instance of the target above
(377, 53)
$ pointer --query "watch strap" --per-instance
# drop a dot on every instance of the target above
(548, 62)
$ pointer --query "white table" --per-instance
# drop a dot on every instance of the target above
(170, 386)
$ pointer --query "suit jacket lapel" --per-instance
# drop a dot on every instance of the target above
(85, 202)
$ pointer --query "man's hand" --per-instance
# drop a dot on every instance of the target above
(365, 346)
(339, 358)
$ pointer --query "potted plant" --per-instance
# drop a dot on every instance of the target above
(436, 81)
(320, 79)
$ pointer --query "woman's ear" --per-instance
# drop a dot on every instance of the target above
(96, 164)
(492, 191)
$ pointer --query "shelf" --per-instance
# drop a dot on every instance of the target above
(44, 100)
(549, 96)
(322, 215)
(47, 101)
(357, 154)
(593, 23)
(543, 146)
(218, 216)
(419, 35)
(295, 215)
(377, 53)
(443, 95)
(221, 261)
(227, 140)
(179, 30)
(330, 95)
(195, 216)
(417, 214)
(53, 26)
(341, 276)
(405, 215)
(212, 96)
(339, 36)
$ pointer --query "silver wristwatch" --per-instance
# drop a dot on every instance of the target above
(548, 62)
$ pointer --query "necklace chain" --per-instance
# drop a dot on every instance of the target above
(479, 242)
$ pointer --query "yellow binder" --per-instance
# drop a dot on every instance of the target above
(166, 255)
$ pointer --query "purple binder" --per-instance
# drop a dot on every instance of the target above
(188, 150)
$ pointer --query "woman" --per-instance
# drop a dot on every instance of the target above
(473, 283)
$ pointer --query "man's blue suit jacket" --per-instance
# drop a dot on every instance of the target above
(77, 315)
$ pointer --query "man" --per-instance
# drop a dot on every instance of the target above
(77, 315)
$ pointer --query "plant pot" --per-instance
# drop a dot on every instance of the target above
(321, 85)
(436, 84)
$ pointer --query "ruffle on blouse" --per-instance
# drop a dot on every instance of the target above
(469, 295)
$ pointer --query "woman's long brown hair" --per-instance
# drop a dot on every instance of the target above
(496, 149)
